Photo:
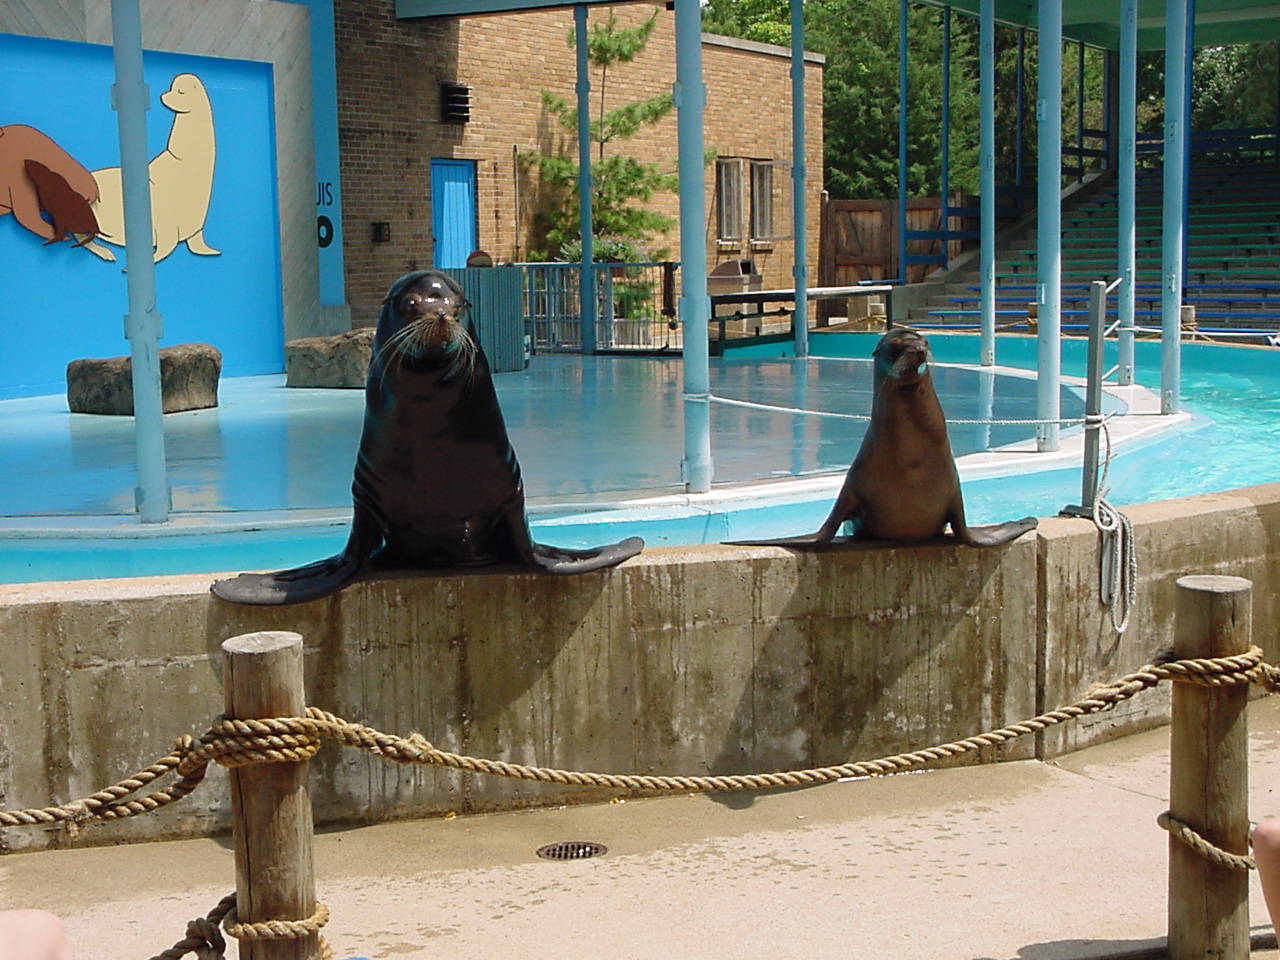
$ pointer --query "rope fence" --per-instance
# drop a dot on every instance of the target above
(237, 743)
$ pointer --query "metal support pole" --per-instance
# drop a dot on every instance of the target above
(1209, 774)
(1125, 178)
(1173, 224)
(1019, 82)
(1049, 224)
(143, 326)
(1093, 394)
(1079, 110)
(987, 170)
(1187, 131)
(902, 141)
(799, 176)
(944, 200)
(690, 96)
(587, 274)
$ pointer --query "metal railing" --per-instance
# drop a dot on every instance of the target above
(635, 307)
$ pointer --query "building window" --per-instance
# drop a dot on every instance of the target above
(729, 199)
(762, 200)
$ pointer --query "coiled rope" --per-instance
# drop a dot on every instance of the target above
(1118, 560)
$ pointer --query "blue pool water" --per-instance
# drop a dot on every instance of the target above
(600, 429)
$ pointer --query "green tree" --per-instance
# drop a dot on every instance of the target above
(621, 184)
(765, 21)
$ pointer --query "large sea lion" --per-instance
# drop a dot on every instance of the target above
(436, 481)
(903, 483)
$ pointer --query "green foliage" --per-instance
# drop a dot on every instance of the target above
(1233, 88)
(765, 21)
(621, 184)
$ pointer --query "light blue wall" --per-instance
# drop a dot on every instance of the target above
(58, 303)
(324, 98)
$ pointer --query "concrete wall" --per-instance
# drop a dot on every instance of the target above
(699, 660)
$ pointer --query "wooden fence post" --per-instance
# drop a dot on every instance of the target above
(1209, 775)
(270, 803)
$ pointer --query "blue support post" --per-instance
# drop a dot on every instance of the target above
(987, 171)
(1049, 224)
(902, 141)
(587, 274)
(944, 199)
(1186, 127)
(143, 326)
(1079, 110)
(1019, 83)
(690, 96)
(799, 175)
(1125, 178)
(1172, 220)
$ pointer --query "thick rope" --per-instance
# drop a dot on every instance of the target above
(288, 739)
(205, 934)
(1118, 559)
(1206, 849)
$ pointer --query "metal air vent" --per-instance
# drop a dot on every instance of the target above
(455, 103)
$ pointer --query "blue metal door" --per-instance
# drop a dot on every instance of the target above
(453, 211)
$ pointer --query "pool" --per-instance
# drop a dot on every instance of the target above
(264, 480)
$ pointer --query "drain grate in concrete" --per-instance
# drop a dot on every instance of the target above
(572, 850)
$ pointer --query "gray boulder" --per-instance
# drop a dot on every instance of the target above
(338, 361)
(188, 381)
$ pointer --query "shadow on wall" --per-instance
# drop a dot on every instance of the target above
(866, 683)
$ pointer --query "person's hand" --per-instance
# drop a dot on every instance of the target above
(32, 935)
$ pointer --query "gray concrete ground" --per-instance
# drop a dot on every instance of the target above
(1019, 861)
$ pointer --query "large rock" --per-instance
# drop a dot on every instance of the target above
(338, 361)
(188, 381)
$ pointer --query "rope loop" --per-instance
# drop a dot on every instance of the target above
(276, 929)
(1207, 849)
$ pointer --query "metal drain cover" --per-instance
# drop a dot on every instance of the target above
(572, 850)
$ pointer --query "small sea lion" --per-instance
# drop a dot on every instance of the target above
(903, 483)
(19, 145)
(436, 481)
(71, 212)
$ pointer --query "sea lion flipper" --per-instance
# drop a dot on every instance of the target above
(298, 585)
(846, 508)
(564, 560)
(311, 581)
(995, 534)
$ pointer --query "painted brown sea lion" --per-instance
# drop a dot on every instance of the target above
(436, 481)
(18, 191)
(903, 483)
(71, 212)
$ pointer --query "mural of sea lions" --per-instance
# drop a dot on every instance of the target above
(903, 483)
(436, 481)
(181, 178)
(71, 213)
(20, 194)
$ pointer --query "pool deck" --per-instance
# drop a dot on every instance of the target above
(1014, 861)
(276, 458)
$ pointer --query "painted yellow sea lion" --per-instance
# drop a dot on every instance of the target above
(181, 179)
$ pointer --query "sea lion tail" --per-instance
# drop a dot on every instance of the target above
(564, 560)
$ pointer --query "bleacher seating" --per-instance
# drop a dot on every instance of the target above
(1232, 266)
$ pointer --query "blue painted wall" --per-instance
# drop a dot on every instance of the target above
(58, 303)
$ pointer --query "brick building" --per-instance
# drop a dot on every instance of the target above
(390, 74)
(326, 116)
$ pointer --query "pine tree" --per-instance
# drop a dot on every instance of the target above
(621, 184)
